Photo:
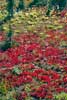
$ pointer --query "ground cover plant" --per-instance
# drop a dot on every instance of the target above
(33, 66)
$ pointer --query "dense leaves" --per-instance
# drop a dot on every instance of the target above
(22, 67)
(35, 65)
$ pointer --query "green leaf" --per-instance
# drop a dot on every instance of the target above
(16, 71)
